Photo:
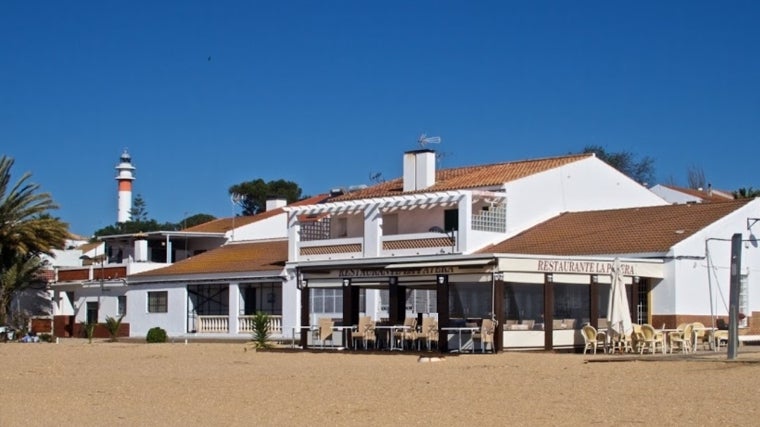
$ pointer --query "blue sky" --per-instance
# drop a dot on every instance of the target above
(325, 93)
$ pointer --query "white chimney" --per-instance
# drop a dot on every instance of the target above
(275, 203)
(419, 170)
(141, 250)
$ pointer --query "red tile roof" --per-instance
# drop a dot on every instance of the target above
(480, 176)
(618, 231)
(222, 225)
(230, 258)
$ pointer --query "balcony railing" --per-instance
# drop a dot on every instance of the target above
(245, 325)
(220, 324)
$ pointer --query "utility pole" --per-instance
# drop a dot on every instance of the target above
(733, 298)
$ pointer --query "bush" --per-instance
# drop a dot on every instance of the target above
(156, 335)
(45, 337)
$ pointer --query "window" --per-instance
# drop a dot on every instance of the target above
(450, 219)
(327, 300)
(121, 309)
(157, 302)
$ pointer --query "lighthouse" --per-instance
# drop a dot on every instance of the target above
(124, 178)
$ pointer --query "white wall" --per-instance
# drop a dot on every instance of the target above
(585, 185)
(270, 228)
(694, 280)
(174, 321)
(109, 303)
(673, 196)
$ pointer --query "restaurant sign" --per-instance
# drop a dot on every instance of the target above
(382, 272)
(583, 267)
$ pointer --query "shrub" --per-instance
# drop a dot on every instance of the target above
(113, 325)
(261, 330)
(156, 335)
(45, 337)
(89, 331)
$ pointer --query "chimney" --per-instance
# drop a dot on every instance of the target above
(276, 202)
(141, 249)
(419, 169)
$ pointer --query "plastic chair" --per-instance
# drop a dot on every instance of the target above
(485, 335)
(592, 338)
(650, 340)
(365, 331)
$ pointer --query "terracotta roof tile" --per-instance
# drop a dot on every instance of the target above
(222, 225)
(618, 231)
(480, 176)
(231, 258)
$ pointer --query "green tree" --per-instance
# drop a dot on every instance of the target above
(139, 211)
(26, 232)
(746, 193)
(196, 219)
(641, 171)
(252, 196)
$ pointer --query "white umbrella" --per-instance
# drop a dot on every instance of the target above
(618, 312)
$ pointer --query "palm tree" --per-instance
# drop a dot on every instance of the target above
(26, 231)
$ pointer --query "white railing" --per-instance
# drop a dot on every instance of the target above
(245, 325)
(213, 324)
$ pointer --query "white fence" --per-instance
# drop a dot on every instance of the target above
(220, 325)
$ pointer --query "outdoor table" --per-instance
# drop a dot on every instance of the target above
(707, 329)
(666, 336)
(388, 333)
(345, 333)
(459, 330)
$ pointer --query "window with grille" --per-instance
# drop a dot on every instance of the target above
(158, 302)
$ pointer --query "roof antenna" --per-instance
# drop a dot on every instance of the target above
(424, 140)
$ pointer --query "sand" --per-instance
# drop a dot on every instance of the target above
(76, 383)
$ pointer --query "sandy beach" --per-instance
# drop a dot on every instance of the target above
(76, 383)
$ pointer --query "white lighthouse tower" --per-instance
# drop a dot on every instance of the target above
(124, 178)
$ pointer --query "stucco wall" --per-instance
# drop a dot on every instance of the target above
(585, 185)
(173, 321)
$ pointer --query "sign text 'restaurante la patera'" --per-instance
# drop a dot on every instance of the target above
(587, 267)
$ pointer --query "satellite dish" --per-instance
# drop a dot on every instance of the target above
(424, 140)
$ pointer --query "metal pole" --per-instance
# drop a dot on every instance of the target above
(733, 299)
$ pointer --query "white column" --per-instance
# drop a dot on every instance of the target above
(234, 310)
(294, 236)
(169, 259)
(373, 232)
(465, 222)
